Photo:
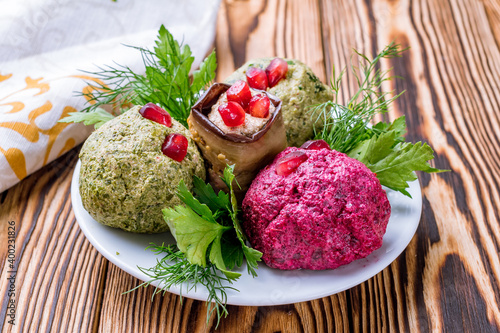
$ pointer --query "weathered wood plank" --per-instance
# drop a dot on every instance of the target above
(138, 311)
(59, 275)
(257, 29)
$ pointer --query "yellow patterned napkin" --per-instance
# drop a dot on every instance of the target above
(46, 44)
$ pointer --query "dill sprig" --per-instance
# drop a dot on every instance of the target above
(344, 126)
(381, 147)
(174, 269)
(166, 82)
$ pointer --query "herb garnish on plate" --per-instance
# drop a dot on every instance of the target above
(166, 82)
(209, 241)
(382, 147)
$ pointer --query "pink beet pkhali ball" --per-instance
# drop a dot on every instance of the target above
(329, 211)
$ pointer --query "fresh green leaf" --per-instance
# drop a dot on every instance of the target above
(398, 125)
(97, 118)
(209, 224)
(392, 160)
(217, 259)
(252, 256)
(372, 150)
(228, 176)
(192, 233)
(346, 128)
(396, 169)
(231, 248)
(205, 74)
(200, 209)
(206, 195)
(166, 80)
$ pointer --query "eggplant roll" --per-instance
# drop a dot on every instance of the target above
(249, 154)
(300, 90)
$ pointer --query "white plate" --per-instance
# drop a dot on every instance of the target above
(272, 286)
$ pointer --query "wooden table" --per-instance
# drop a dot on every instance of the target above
(448, 279)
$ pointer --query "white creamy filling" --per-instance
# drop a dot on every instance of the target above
(250, 126)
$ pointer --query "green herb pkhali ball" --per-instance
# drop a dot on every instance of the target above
(126, 180)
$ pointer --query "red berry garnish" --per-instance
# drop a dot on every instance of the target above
(259, 106)
(276, 71)
(232, 114)
(157, 114)
(289, 163)
(315, 145)
(239, 93)
(175, 146)
(257, 78)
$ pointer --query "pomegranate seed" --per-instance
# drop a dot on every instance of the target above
(157, 114)
(259, 106)
(276, 71)
(315, 145)
(175, 146)
(239, 93)
(289, 163)
(257, 78)
(232, 114)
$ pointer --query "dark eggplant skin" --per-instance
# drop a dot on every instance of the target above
(248, 154)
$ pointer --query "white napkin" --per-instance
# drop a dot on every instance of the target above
(46, 44)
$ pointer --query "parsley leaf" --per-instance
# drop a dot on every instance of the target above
(218, 203)
(192, 232)
(206, 73)
(207, 228)
(231, 247)
(396, 169)
(393, 161)
(372, 150)
(398, 125)
(200, 208)
(97, 117)
(217, 258)
(166, 80)
(251, 255)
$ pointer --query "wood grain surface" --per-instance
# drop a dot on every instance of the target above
(447, 280)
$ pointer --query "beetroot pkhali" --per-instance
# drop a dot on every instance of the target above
(327, 212)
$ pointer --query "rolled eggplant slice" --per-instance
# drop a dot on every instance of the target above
(249, 154)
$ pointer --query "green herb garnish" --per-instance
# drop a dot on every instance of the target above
(207, 229)
(166, 81)
(97, 117)
(394, 164)
(209, 239)
(346, 128)
(174, 269)
(347, 125)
